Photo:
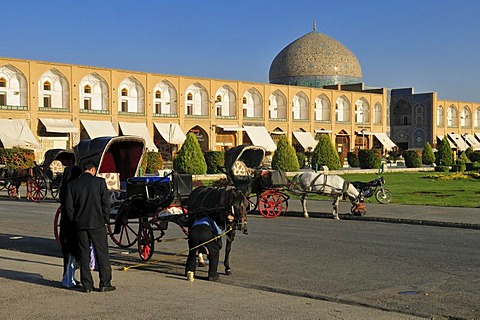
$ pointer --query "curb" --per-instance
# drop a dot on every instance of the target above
(383, 219)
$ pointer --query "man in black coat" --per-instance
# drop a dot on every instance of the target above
(87, 204)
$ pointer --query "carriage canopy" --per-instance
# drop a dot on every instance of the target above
(250, 156)
(122, 155)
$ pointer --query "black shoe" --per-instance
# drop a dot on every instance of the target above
(214, 278)
(107, 288)
(87, 290)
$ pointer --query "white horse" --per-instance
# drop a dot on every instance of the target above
(330, 185)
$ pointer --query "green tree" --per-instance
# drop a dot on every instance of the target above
(215, 161)
(428, 157)
(285, 158)
(369, 159)
(190, 157)
(412, 158)
(444, 153)
(325, 154)
(152, 162)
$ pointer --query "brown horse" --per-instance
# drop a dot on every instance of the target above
(13, 179)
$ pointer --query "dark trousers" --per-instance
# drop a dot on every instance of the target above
(98, 237)
(198, 235)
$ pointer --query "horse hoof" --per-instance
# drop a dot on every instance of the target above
(306, 216)
(228, 272)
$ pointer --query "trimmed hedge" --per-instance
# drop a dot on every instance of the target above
(352, 158)
(369, 159)
(413, 159)
(215, 161)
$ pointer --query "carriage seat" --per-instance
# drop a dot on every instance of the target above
(241, 171)
(113, 185)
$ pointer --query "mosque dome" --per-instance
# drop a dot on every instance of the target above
(315, 60)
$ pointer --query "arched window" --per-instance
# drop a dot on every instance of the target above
(87, 89)
(219, 98)
(189, 96)
(440, 116)
(158, 94)
(466, 118)
(377, 113)
(3, 83)
(244, 100)
(322, 109)
(452, 117)
(47, 86)
(124, 92)
(342, 109)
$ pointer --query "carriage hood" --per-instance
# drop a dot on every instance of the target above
(252, 156)
(122, 154)
(63, 155)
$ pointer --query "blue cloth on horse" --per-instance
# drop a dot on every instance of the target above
(209, 222)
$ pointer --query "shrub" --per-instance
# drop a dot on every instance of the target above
(473, 166)
(474, 156)
(215, 160)
(302, 158)
(284, 157)
(152, 162)
(17, 158)
(190, 157)
(463, 159)
(325, 154)
(412, 159)
(369, 159)
(428, 157)
(444, 155)
(459, 167)
(352, 158)
(442, 168)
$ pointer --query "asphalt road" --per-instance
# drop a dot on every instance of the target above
(288, 267)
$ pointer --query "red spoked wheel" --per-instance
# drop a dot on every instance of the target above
(272, 203)
(12, 191)
(128, 234)
(56, 225)
(146, 241)
(36, 188)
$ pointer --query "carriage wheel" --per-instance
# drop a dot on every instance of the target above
(56, 225)
(12, 191)
(128, 234)
(270, 204)
(146, 241)
(252, 203)
(36, 188)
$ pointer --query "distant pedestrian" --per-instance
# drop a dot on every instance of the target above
(87, 204)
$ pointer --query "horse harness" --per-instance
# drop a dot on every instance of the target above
(346, 184)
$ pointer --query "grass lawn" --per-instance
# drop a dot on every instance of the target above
(420, 188)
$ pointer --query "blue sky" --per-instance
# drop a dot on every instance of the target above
(431, 45)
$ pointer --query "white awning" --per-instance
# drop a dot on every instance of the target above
(59, 125)
(452, 145)
(17, 133)
(323, 131)
(457, 139)
(305, 139)
(140, 130)
(230, 127)
(472, 141)
(171, 132)
(385, 140)
(96, 128)
(278, 132)
(260, 137)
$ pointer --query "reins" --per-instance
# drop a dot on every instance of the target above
(126, 268)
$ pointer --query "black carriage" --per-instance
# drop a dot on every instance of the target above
(118, 159)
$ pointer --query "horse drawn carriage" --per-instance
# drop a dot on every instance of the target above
(143, 207)
(39, 179)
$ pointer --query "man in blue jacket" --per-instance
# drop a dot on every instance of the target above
(87, 204)
(203, 230)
